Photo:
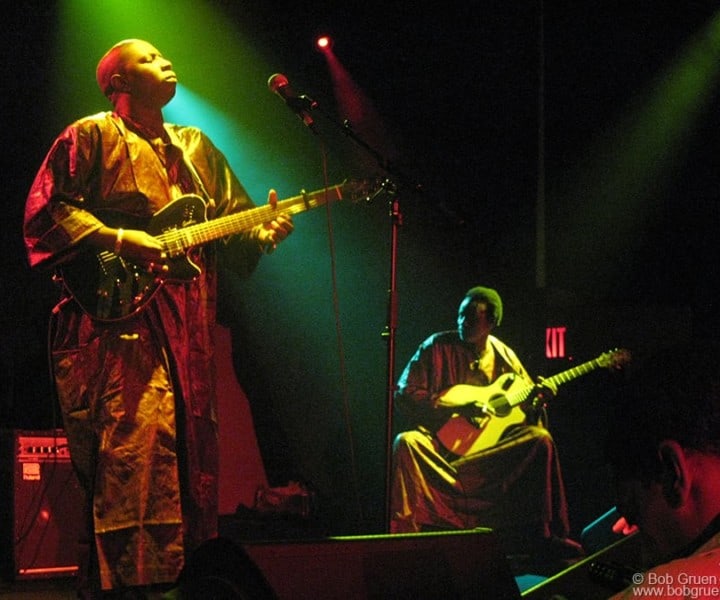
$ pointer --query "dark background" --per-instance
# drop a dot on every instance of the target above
(459, 90)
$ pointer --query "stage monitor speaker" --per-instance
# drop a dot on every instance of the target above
(460, 564)
(40, 530)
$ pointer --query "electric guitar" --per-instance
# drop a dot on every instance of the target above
(497, 406)
(110, 288)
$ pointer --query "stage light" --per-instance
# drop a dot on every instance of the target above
(323, 43)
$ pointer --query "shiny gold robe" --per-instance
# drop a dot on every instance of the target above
(515, 486)
(137, 395)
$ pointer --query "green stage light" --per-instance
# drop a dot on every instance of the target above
(192, 109)
(608, 203)
(222, 70)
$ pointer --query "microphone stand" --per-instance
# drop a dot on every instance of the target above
(390, 332)
(302, 105)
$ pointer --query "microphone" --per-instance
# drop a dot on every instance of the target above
(300, 105)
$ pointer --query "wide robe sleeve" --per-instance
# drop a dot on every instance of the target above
(56, 219)
(439, 362)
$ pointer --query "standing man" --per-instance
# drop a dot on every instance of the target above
(136, 388)
(509, 480)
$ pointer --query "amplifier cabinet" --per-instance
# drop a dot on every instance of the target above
(40, 531)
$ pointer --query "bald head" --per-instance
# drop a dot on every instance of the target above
(133, 74)
(111, 64)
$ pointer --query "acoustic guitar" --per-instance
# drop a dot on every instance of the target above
(496, 406)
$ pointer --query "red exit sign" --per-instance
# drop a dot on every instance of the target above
(555, 342)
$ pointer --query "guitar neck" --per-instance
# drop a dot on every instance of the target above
(523, 393)
(570, 374)
(214, 229)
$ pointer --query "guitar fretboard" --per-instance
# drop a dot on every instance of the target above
(519, 396)
(570, 374)
(202, 233)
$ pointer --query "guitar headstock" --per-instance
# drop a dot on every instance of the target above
(366, 190)
(614, 359)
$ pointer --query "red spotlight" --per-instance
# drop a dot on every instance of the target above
(323, 43)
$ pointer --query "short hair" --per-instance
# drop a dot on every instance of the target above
(109, 65)
(672, 395)
(490, 297)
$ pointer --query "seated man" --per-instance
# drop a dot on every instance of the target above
(665, 453)
(448, 475)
